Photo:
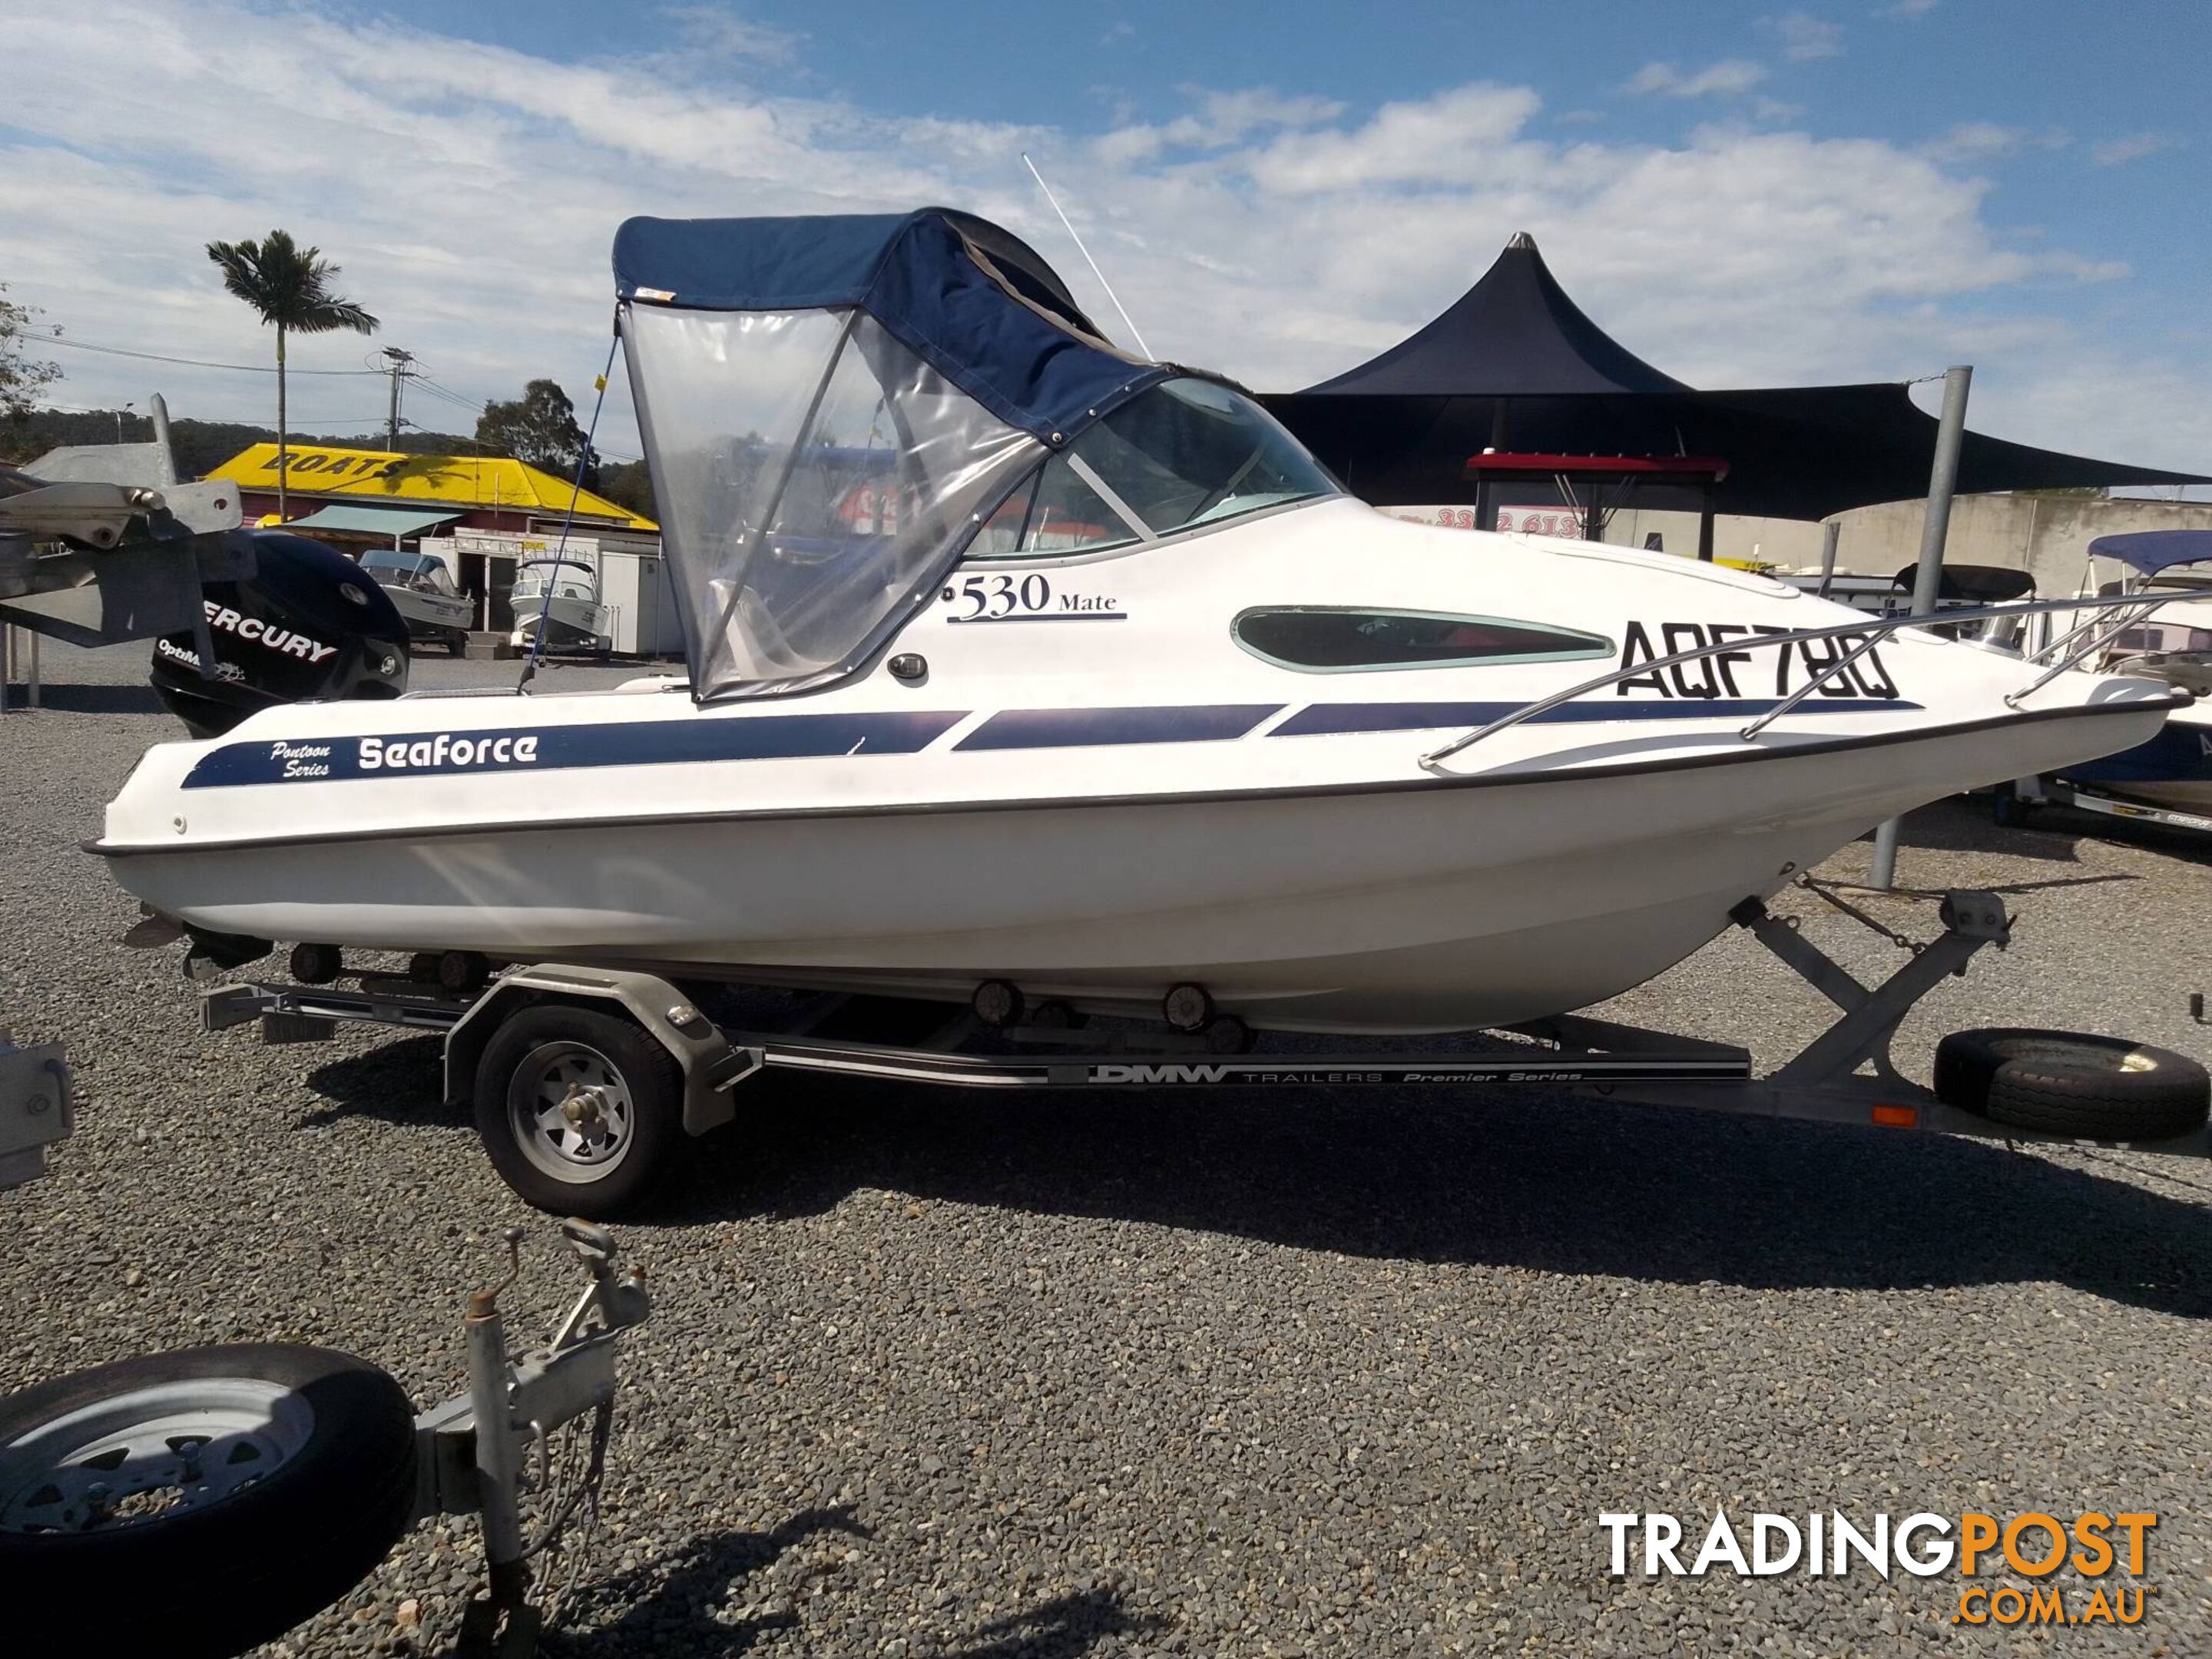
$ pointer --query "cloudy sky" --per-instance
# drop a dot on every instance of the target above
(1745, 195)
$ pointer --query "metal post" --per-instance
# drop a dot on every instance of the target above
(1830, 533)
(1928, 580)
(499, 1459)
(157, 414)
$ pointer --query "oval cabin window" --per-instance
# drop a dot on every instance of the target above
(1335, 639)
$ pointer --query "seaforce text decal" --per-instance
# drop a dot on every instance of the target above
(392, 754)
(1769, 670)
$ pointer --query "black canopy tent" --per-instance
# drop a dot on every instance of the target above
(1514, 380)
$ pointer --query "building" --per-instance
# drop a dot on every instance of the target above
(2047, 536)
(482, 514)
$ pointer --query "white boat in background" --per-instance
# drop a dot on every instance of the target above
(562, 594)
(2171, 642)
(1964, 586)
(1110, 691)
(423, 592)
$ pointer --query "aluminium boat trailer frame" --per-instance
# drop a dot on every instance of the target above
(2011, 807)
(1826, 1081)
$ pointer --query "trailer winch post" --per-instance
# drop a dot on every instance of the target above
(498, 1448)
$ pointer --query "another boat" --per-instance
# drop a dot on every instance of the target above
(423, 590)
(1109, 691)
(1963, 586)
(2173, 643)
(562, 593)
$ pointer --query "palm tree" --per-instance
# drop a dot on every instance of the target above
(290, 287)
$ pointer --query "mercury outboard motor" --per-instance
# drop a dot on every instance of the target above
(308, 625)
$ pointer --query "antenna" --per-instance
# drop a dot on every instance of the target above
(1126, 318)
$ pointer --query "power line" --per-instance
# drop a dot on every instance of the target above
(189, 363)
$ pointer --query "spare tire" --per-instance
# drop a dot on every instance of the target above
(2071, 1082)
(201, 1502)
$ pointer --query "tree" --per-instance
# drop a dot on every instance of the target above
(22, 376)
(627, 483)
(290, 287)
(539, 428)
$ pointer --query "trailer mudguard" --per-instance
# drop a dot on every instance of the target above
(712, 1065)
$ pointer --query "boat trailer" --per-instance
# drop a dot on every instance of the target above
(1845, 1075)
(2013, 802)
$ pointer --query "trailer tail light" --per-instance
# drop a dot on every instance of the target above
(1896, 1117)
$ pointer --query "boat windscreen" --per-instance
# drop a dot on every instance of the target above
(814, 473)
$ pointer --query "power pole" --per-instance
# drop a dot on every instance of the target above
(399, 361)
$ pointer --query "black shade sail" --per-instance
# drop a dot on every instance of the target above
(1514, 365)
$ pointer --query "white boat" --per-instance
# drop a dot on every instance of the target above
(423, 590)
(2169, 641)
(1962, 587)
(1109, 690)
(565, 593)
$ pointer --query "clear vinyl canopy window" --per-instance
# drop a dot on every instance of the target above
(1338, 640)
(813, 474)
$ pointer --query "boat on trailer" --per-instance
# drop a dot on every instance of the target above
(2169, 640)
(1109, 692)
(422, 590)
(558, 598)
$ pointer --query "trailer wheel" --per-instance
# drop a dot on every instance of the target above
(2071, 1082)
(2006, 809)
(200, 1502)
(579, 1109)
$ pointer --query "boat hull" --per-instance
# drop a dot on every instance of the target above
(567, 622)
(2173, 767)
(1454, 903)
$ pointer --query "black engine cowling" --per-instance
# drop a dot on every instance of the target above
(309, 625)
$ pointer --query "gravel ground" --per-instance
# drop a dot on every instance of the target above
(966, 1376)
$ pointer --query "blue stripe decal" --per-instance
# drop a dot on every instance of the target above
(1331, 718)
(509, 749)
(1080, 729)
(802, 736)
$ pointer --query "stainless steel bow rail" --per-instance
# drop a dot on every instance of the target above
(1845, 1075)
(1874, 628)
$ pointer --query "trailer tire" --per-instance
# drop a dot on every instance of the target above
(2072, 1082)
(612, 1160)
(208, 1575)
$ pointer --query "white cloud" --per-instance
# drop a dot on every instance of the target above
(2113, 151)
(717, 32)
(1219, 120)
(1805, 37)
(1732, 74)
(1446, 139)
(1975, 141)
(470, 192)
